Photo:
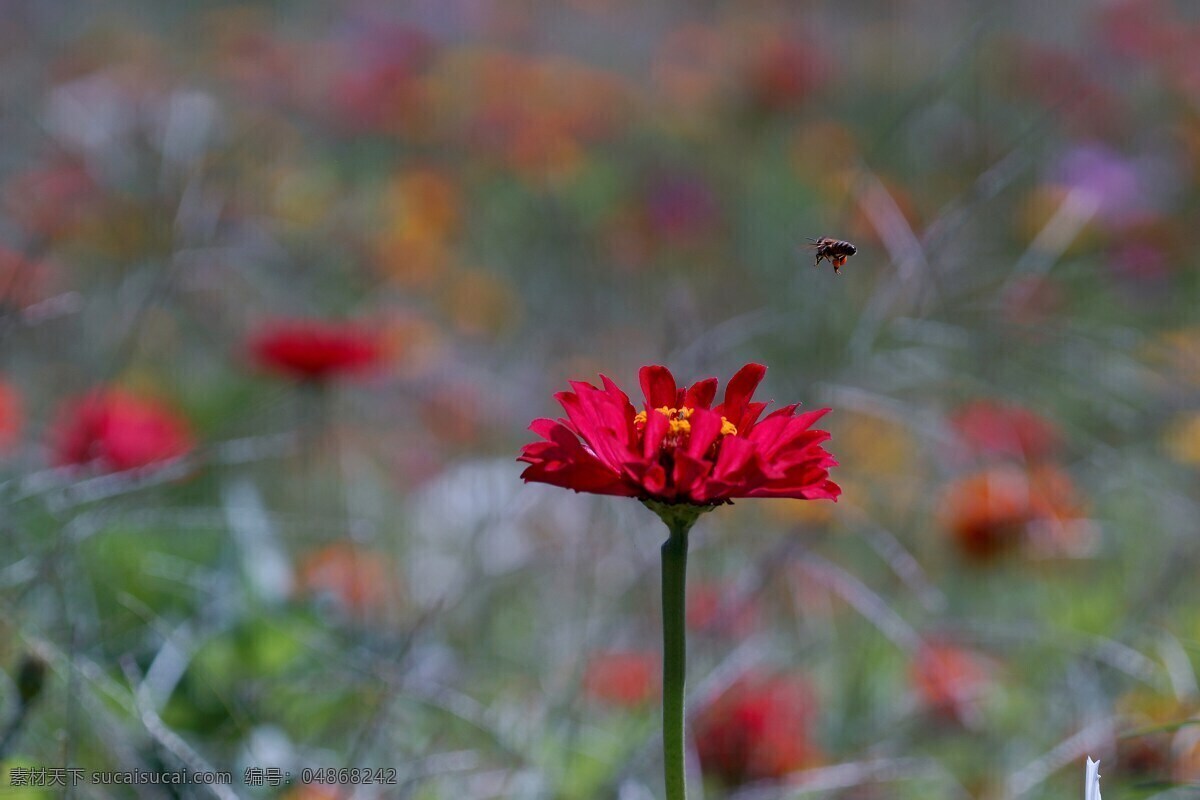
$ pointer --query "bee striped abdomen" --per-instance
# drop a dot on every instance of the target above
(835, 251)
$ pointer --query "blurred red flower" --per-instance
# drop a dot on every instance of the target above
(759, 728)
(315, 350)
(949, 680)
(680, 448)
(1002, 429)
(115, 430)
(11, 416)
(624, 678)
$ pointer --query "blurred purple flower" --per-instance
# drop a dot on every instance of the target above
(1117, 184)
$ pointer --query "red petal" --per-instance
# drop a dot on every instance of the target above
(655, 481)
(652, 435)
(600, 422)
(689, 471)
(741, 388)
(564, 461)
(705, 428)
(659, 387)
(701, 394)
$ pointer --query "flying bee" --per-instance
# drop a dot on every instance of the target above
(834, 251)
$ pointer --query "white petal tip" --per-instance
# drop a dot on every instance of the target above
(1091, 781)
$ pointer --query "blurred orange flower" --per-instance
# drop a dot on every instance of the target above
(1006, 508)
(362, 582)
(421, 212)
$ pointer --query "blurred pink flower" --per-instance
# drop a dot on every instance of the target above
(115, 430)
(1119, 186)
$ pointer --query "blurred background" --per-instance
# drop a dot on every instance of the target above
(282, 285)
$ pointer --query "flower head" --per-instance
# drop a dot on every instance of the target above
(116, 431)
(680, 448)
(760, 728)
(315, 350)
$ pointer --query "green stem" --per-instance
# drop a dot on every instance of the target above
(674, 600)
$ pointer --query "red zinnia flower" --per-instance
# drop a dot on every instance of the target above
(116, 431)
(680, 448)
(628, 679)
(315, 350)
(760, 728)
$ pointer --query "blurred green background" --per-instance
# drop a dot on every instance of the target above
(282, 285)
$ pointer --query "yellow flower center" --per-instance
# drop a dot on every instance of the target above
(678, 425)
